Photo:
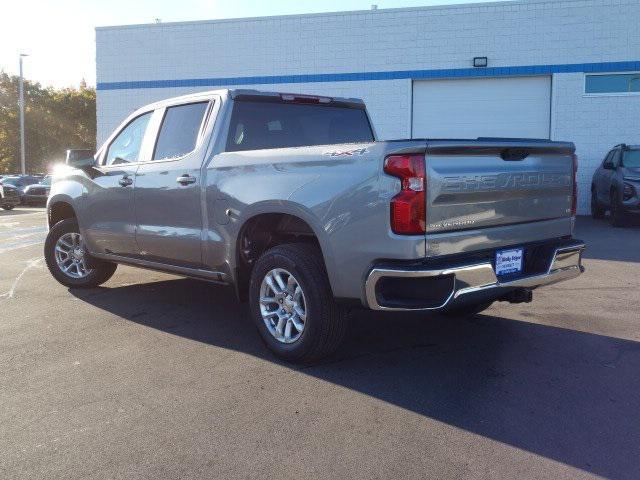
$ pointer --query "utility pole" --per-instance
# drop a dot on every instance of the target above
(21, 101)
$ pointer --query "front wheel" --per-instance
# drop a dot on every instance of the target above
(292, 304)
(66, 257)
(8, 207)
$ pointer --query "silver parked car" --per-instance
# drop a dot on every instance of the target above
(291, 199)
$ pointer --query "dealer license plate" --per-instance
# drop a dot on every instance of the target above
(509, 261)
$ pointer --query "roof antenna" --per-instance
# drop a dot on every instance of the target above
(158, 20)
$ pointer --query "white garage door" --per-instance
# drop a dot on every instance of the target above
(483, 107)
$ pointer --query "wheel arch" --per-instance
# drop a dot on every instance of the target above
(270, 224)
(60, 208)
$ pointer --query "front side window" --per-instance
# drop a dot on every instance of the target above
(613, 83)
(631, 158)
(179, 132)
(125, 148)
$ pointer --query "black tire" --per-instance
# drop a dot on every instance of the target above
(8, 207)
(325, 323)
(100, 271)
(616, 215)
(597, 210)
(467, 310)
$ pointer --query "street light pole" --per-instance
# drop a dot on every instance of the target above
(22, 155)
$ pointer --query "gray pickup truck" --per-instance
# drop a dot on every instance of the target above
(290, 199)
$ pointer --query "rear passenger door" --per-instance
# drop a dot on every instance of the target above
(168, 187)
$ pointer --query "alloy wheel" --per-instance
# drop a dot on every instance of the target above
(282, 305)
(70, 255)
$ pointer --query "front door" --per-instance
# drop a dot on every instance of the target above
(167, 194)
(108, 214)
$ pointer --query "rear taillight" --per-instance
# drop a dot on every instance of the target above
(574, 194)
(408, 208)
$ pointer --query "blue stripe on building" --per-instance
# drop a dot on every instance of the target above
(390, 75)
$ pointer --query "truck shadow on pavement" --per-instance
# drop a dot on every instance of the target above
(568, 396)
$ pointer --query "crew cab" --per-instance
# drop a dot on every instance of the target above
(290, 199)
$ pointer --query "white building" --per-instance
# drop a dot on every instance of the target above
(559, 69)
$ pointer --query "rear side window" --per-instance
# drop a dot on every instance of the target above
(264, 125)
(179, 132)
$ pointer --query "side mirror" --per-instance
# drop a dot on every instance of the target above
(82, 163)
(608, 166)
(80, 158)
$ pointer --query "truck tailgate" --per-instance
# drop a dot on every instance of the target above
(480, 183)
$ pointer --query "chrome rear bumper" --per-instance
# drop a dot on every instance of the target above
(566, 263)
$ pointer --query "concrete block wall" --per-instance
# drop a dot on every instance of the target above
(593, 123)
(295, 53)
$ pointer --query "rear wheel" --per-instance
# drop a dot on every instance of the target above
(292, 304)
(8, 207)
(66, 257)
(467, 310)
(616, 215)
(597, 210)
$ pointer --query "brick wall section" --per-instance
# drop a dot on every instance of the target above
(510, 34)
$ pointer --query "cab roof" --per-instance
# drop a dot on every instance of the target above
(245, 94)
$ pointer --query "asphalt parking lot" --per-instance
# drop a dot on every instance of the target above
(154, 376)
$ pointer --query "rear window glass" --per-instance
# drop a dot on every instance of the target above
(264, 125)
(179, 131)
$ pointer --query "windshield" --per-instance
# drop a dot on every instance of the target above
(631, 158)
(11, 181)
(19, 181)
(46, 181)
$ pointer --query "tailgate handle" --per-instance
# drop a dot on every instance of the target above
(514, 154)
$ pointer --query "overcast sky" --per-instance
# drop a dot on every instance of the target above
(60, 39)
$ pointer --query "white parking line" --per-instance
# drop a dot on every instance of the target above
(16, 246)
(22, 232)
(30, 264)
(14, 216)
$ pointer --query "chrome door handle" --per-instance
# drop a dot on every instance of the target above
(125, 181)
(185, 179)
